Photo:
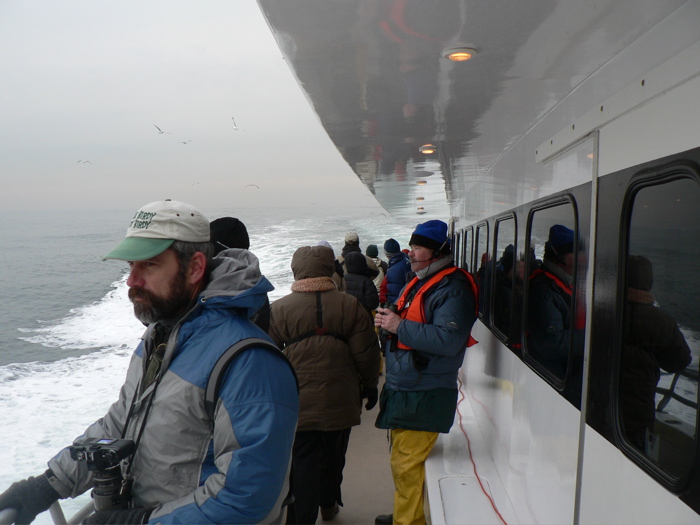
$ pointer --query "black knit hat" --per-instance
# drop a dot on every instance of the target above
(228, 232)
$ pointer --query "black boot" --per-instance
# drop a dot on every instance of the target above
(384, 519)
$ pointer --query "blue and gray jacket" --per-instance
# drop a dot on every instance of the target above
(188, 468)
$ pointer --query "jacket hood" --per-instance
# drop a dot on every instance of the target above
(313, 261)
(236, 282)
(349, 248)
(355, 262)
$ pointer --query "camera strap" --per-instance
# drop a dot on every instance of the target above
(154, 348)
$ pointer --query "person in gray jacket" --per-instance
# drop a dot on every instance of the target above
(189, 465)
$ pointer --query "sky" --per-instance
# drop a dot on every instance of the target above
(85, 83)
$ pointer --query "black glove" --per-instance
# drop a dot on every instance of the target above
(372, 395)
(137, 516)
(29, 497)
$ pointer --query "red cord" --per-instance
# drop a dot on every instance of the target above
(469, 446)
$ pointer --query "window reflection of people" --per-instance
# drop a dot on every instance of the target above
(504, 291)
(652, 340)
(549, 322)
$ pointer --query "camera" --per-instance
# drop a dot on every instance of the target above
(386, 335)
(101, 454)
(103, 457)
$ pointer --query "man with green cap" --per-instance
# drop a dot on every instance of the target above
(192, 464)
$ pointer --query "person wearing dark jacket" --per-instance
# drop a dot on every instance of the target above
(398, 268)
(555, 330)
(358, 283)
(431, 332)
(229, 237)
(352, 244)
(652, 341)
(330, 340)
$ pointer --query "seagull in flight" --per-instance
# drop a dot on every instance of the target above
(236, 127)
(253, 185)
(84, 162)
(186, 141)
(161, 132)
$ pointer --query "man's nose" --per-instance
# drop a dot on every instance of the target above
(135, 278)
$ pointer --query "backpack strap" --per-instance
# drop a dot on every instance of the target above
(318, 330)
(211, 394)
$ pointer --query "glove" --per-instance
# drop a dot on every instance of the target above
(29, 497)
(137, 516)
(372, 395)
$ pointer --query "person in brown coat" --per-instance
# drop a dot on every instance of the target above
(330, 340)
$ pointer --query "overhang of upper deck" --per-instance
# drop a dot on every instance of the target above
(376, 75)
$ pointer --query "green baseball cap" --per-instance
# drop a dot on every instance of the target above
(156, 226)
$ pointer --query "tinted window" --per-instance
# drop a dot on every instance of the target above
(457, 248)
(555, 321)
(658, 389)
(504, 275)
(467, 249)
(482, 276)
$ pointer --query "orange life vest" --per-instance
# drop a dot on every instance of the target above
(580, 318)
(415, 309)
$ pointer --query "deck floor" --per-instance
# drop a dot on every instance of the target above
(368, 489)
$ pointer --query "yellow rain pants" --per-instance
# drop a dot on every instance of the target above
(409, 450)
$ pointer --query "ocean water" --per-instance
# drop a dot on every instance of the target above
(67, 330)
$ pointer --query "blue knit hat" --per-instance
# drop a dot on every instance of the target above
(561, 239)
(391, 247)
(431, 235)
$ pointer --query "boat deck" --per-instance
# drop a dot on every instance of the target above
(368, 489)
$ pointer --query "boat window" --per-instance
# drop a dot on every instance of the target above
(457, 248)
(658, 382)
(467, 249)
(555, 317)
(482, 275)
(504, 276)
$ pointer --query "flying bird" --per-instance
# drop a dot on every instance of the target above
(161, 132)
(253, 185)
(234, 124)
(186, 141)
(84, 162)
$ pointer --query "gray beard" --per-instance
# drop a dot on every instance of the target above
(161, 308)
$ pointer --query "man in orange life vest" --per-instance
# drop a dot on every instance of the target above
(550, 323)
(430, 333)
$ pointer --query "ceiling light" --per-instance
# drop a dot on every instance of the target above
(427, 149)
(420, 198)
(459, 54)
(421, 182)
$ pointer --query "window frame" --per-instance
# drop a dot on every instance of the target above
(482, 226)
(497, 222)
(558, 383)
(645, 179)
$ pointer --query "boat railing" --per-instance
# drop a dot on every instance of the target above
(670, 392)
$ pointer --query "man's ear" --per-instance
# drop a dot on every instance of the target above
(197, 268)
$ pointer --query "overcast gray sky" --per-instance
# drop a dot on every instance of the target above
(85, 80)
